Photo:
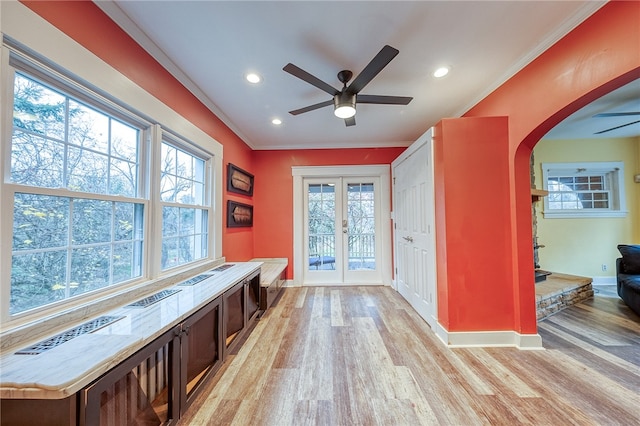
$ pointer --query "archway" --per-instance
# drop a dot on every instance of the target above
(598, 56)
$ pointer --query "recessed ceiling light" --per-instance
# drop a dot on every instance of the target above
(276, 121)
(254, 78)
(441, 72)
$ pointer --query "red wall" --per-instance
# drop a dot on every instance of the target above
(88, 25)
(273, 196)
(601, 54)
(472, 189)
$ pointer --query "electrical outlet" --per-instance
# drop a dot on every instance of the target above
(604, 267)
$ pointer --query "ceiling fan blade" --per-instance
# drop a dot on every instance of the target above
(311, 107)
(372, 69)
(617, 127)
(351, 121)
(313, 80)
(616, 114)
(380, 99)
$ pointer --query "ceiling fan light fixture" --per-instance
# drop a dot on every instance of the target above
(344, 105)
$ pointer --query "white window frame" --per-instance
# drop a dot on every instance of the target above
(178, 143)
(613, 172)
(28, 33)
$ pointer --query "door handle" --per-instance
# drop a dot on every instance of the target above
(344, 231)
(410, 239)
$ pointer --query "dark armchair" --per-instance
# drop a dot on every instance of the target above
(628, 276)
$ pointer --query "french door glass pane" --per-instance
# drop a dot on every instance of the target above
(322, 232)
(361, 222)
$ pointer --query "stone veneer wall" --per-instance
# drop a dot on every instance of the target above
(549, 304)
(534, 218)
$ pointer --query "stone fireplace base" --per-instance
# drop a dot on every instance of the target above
(559, 291)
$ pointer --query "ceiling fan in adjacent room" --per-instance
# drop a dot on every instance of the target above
(617, 114)
(345, 100)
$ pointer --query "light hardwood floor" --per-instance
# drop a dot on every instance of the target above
(362, 356)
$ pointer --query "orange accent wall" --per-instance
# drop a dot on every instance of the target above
(84, 22)
(273, 196)
(472, 233)
(601, 54)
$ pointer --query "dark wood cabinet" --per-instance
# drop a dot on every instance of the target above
(29, 412)
(140, 390)
(154, 386)
(201, 350)
(234, 314)
(252, 291)
(271, 289)
(157, 384)
(241, 304)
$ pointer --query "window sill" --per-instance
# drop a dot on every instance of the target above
(34, 327)
(584, 214)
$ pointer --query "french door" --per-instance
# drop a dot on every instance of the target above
(342, 238)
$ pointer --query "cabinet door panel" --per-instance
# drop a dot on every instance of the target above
(138, 391)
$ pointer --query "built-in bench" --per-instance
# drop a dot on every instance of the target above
(142, 363)
(272, 278)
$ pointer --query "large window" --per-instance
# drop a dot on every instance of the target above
(584, 189)
(184, 212)
(78, 191)
(77, 223)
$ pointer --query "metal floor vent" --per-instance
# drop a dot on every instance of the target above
(223, 267)
(147, 301)
(52, 342)
(194, 280)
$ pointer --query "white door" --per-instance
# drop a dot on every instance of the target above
(342, 228)
(414, 238)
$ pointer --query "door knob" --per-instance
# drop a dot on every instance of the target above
(410, 239)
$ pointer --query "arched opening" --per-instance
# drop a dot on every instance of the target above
(597, 57)
(522, 169)
(589, 209)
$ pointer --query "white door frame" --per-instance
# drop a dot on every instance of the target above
(301, 172)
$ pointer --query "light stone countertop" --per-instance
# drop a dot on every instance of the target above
(62, 371)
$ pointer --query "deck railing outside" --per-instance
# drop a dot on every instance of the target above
(362, 250)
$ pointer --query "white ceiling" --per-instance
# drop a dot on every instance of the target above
(210, 45)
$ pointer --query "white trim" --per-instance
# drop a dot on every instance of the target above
(471, 339)
(596, 281)
(576, 214)
(300, 172)
(290, 283)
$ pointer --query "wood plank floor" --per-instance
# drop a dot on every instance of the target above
(362, 356)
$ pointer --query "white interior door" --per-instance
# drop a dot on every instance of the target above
(414, 237)
(342, 225)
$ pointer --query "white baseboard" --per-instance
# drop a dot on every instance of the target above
(466, 339)
(290, 283)
(604, 281)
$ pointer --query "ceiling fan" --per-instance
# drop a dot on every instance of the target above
(345, 100)
(616, 114)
